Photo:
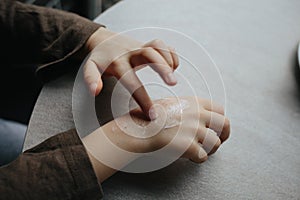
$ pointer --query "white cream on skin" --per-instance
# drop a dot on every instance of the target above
(169, 112)
(174, 113)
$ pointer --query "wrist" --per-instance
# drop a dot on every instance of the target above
(124, 140)
(96, 38)
(100, 35)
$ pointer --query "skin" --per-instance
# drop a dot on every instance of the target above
(116, 55)
(203, 124)
(203, 129)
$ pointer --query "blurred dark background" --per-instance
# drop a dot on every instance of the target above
(18, 105)
(86, 8)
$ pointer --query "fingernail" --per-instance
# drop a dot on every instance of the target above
(171, 79)
(93, 88)
(152, 114)
(202, 153)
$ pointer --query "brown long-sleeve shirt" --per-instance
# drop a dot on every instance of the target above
(35, 40)
(58, 168)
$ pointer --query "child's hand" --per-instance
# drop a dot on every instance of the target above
(117, 55)
(194, 128)
(200, 127)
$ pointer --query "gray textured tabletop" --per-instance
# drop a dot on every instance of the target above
(254, 43)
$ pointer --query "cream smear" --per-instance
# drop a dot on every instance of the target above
(169, 113)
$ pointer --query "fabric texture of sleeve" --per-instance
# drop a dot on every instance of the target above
(40, 36)
(58, 168)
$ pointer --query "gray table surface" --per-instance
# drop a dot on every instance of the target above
(254, 43)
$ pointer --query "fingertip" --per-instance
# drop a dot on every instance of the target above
(226, 131)
(202, 155)
(95, 88)
(170, 79)
(92, 77)
(215, 148)
(203, 159)
(142, 98)
(152, 114)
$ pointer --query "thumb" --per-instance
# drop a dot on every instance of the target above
(92, 77)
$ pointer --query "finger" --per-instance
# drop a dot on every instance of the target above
(92, 77)
(217, 123)
(196, 153)
(211, 106)
(132, 83)
(174, 58)
(158, 64)
(163, 50)
(209, 139)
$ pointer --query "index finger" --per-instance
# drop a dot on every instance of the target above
(132, 83)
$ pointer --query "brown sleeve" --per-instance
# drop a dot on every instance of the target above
(58, 168)
(41, 36)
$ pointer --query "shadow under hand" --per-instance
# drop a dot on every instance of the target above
(103, 101)
(296, 75)
(296, 71)
(158, 184)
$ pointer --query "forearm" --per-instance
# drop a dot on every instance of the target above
(106, 147)
(102, 171)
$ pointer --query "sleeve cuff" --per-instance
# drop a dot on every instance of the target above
(86, 185)
(70, 44)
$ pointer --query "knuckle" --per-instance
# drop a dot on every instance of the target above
(146, 51)
(115, 63)
(203, 101)
(220, 108)
(157, 42)
(130, 84)
(202, 112)
(118, 64)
